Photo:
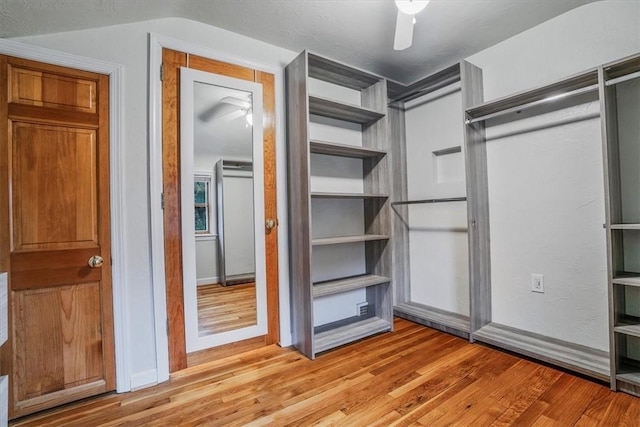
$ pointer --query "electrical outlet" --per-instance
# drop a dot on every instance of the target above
(537, 283)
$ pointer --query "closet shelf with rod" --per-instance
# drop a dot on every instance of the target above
(571, 86)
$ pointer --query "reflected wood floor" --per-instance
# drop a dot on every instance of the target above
(413, 376)
(225, 308)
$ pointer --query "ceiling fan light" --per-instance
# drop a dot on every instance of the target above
(411, 7)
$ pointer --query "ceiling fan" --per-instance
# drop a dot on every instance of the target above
(407, 10)
(227, 109)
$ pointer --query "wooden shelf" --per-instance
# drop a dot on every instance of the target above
(341, 74)
(628, 329)
(321, 195)
(446, 321)
(625, 226)
(631, 378)
(341, 111)
(344, 150)
(348, 333)
(541, 93)
(337, 286)
(630, 280)
(348, 239)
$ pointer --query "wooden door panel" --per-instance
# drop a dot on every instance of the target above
(57, 152)
(54, 176)
(33, 87)
(38, 269)
(67, 352)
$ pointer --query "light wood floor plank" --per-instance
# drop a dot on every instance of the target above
(412, 376)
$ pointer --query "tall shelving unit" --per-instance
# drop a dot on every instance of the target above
(371, 114)
(619, 85)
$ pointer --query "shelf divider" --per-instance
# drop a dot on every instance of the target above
(348, 239)
(341, 111)
(344, 150)
(345, 284)
(326, 195)
(332, 338)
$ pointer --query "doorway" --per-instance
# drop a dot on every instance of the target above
(173, 215)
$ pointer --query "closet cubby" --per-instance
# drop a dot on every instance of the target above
(619, 84)
(339, 205)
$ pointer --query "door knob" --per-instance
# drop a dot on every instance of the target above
(95, 261)
(270, 224)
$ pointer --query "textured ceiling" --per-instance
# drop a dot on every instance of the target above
(358, 32)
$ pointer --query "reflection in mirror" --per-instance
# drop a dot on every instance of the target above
(223, 208)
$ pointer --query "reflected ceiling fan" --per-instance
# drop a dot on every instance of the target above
(407, 10)
(227, 109)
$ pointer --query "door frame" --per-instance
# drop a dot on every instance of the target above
(118, 253)
(156, 44)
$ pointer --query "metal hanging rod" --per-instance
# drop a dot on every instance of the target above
(532, 104)
(623, 78)
(444, 200)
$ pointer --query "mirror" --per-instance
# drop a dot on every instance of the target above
(222, 209)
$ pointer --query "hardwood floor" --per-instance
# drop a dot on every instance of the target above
(225, 308)
(413, 376)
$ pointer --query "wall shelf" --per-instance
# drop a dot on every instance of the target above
(630, 280)
(344, 150)
(340, 240)
(330, 287)
(625, 226)
(323, 195)
(633, 330)
(348, 333)
(342, 111)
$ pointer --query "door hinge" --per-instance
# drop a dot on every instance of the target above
(161, 72)
(161, 200)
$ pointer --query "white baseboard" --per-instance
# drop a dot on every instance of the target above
(144, 379)
(206, 281)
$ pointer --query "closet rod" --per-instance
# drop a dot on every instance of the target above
(444, 200)
(623, 78)
(532, 104)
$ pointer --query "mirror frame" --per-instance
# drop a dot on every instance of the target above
(194, 342)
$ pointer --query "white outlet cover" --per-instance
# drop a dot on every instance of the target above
(537, 283)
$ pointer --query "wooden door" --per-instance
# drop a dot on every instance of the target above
(172, 61)
(54, 163)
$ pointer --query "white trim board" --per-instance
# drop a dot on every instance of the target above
(116, 108)
(156, 44)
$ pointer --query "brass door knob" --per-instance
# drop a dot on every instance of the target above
(270, 224)
(95, 261)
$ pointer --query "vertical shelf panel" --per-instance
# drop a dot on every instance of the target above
(299, 204)
(477, 201)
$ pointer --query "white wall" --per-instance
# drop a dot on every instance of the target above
(128, 45)
(546, 191)
(438, 244)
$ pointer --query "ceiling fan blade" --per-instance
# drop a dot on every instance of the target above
(232, 115)
(404, 31)
(235, 101)
(211, 112)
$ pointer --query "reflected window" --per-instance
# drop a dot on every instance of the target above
(202, 207)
